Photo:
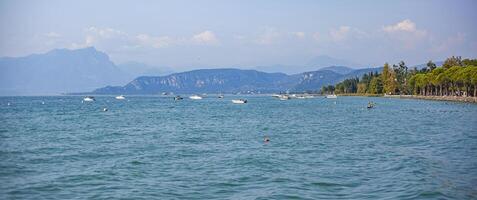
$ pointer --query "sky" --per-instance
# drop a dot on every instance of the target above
(196, 34)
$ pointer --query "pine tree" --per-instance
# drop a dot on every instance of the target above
(385, 78)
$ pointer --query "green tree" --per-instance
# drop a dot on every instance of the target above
(385, 78)
(376, 85)
(469, 62)
(431, 65)
(437, 79)
(452, 61)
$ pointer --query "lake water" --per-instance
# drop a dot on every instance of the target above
(150, 147)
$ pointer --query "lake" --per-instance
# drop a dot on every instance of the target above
(152, 147)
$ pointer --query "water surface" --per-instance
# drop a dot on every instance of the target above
(150, 147)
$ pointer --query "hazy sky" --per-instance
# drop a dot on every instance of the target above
(193, 34)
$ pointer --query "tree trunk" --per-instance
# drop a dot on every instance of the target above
(452, 89)
(475, 90)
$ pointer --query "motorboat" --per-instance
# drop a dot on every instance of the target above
(195, 97)
(120, 97)
(221, 96)
(89, 99)
(370, 105)
(239, 101)
(177, 98)
(331, 96)
(284, 97)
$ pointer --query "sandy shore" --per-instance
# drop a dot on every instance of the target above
(436, 98)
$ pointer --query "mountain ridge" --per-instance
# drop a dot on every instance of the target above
(61, 71)
(229, 80)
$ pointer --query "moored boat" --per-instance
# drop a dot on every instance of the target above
(284, 97)
(89, 99)
(195, 97)
(239, 101)
(331, 96)
(120, 97)
(177, 98)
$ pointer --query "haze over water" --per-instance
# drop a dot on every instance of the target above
(153, 147)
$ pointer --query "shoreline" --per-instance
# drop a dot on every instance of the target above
(436, 98)
(432, 98)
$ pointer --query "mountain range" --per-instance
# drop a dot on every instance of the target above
(89, 71)
(234, 81)
(65, 71)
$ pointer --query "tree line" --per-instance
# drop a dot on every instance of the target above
(456, 77)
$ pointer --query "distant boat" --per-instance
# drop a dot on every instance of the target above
(89, 99)
(331, 96)
(177, 98)
(221, 96)
(195, 97)
(239, 101)
(120, 97)
(370, 105)
(284, 97)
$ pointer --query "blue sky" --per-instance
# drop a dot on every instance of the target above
(197, 34)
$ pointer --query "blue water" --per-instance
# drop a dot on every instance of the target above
(155, 148)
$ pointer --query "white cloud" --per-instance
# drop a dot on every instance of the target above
(406, 32)
(405, 25)
(206, 37)
(299, 35)
(340, 34)
(95, 36)
(105, 32)
(110, 38)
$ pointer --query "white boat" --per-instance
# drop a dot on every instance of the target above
(120, 97)
(195, 97)
(331, 96)
(88, 99)
(284, 97)
(239, 101)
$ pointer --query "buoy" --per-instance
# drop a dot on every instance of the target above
(43, 103)
(8, 103)
(266, 139)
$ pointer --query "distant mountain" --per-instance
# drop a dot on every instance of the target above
(287, 69)
(319, 62)
(315, 79)
(230, 81)
(204, 80)
(135, 69)
(58, 71)
(338, 69)
(326, 61)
